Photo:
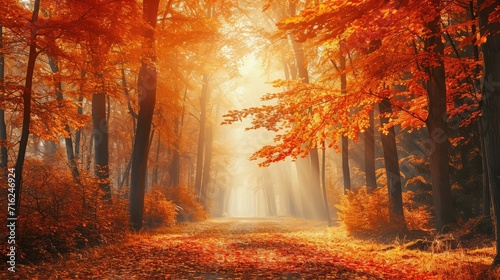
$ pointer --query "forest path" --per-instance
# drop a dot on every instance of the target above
(247, 248)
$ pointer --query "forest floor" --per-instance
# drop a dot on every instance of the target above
(280, 248)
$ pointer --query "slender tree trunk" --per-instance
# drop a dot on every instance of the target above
(90, 154)
(323, 184)
(437, 124)
(317, 198)
(486, 182)
(157, 162)
(396, 213)
(206, 165)
(175, 168)
(78, 133)
(346, 174)
(201, 137)
(369, 141)
(25, 131)
(68, 139)
(147, 87)
(491, 110)
(101, 143)
(126, 175)
(303, 166)
(3, 127)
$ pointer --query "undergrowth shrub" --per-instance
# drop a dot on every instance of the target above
(190, 209)
(363, 212)
(58, 216)
(417, 216)
(158, 210)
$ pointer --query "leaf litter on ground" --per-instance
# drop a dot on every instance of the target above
(251, 248)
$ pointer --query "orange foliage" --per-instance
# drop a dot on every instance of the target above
(384, 45)
(58, 216)
(191, 210)
(361, 211)
(158, 210)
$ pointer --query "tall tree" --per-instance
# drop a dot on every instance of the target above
(396, 214)
(101, 139)
(437, 121)
(205, 182)
(346, 174)
(369, 143)
(175, 166)
(67, 138)
(491, 107)
(146, 84)
(323, 185)
(27, 92)
(201, 136)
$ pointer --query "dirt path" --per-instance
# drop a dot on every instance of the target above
(226, 249)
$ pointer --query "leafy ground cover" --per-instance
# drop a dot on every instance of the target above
(280, 248)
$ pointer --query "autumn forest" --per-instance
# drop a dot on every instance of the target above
(273, 139)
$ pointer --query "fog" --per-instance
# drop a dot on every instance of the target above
(253, 191)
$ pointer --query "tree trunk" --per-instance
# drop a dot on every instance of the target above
(67, 140)
(78, 134)
(175, 166)
(316, 196)
(303, 166)
(201, 137)
(491, 110)
(437, 125)
(147, 87)
(3, 127)
(206, 165)
(486, 211)
(323, 184)
(396, 213)
(157, 161)
(346, 174)
(101, 141)
(25, 131)
(486, 182)
(369, 142)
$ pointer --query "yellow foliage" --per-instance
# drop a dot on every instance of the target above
(417, 216)
(185, 198)
(158, 210)
(363, 212)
